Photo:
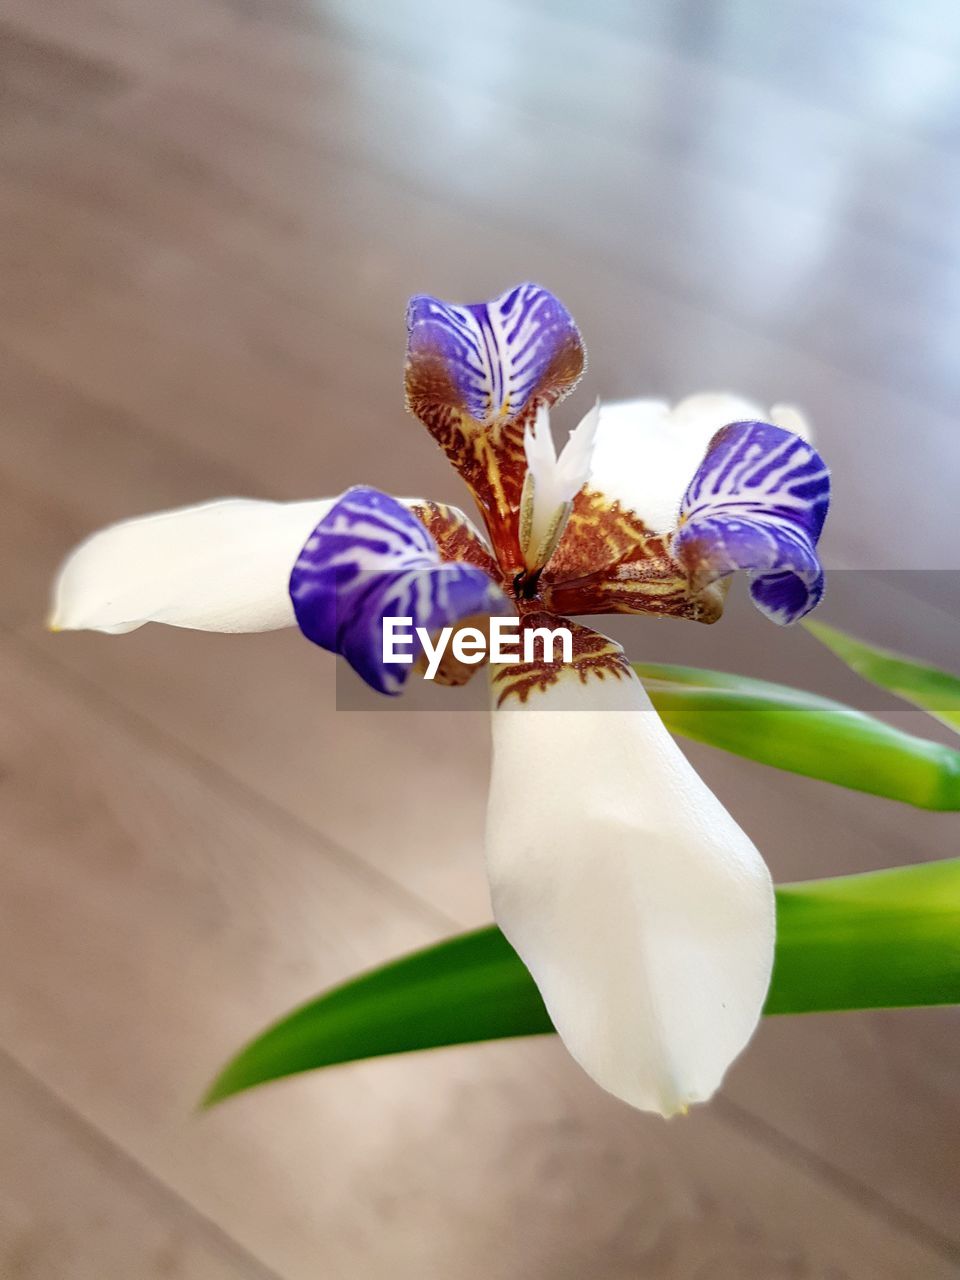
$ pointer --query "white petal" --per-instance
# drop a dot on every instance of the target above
(219, 566)
(644, 913)
(552, 482)
(574, 463)
(646, 453)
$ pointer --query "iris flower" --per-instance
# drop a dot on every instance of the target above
(642, 910)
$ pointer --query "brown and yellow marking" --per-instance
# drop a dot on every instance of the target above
(609, 562)
(489, 456)
(456, 538)
(594, 657)
(598, 533)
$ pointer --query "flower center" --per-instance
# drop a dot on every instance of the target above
(526, 584)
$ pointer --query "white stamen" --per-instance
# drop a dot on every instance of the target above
(552, 483)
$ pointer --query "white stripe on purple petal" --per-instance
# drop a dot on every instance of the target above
(758, 502)
(496, 353)
(370, 558)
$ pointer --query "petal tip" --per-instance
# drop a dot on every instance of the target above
(758, 502)
(490, 359)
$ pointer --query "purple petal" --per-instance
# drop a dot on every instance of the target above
(489, 359)
(758, 502)
(370, 558)
(787, 597)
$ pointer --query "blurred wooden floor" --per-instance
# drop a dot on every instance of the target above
(211, 214)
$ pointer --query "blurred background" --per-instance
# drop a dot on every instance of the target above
(212, 214)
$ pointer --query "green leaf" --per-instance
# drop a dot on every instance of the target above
(803, 733)
(884, 939)
(472, 987)
(880, 940)
(934, 691)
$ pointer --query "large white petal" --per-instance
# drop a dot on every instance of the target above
(646, 453)
(643, 912)
(219, 566)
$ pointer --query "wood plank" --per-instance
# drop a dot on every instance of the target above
(74, 1207)
(150, 899)
(867, 316)
(636, 102)
(137, 38)
(42, 73)
(143, 349)
(749, 114)
(259, 159)
(848, 57)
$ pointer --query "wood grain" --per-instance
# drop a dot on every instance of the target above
(75, 1207)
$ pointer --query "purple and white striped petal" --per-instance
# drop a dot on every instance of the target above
(475, 376)
(370, 558)
(491, 359)
(758, 502)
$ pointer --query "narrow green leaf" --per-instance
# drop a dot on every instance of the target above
(934, 691)
(803, 733)
(880, 940)
(868, 941)
(472, 987)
